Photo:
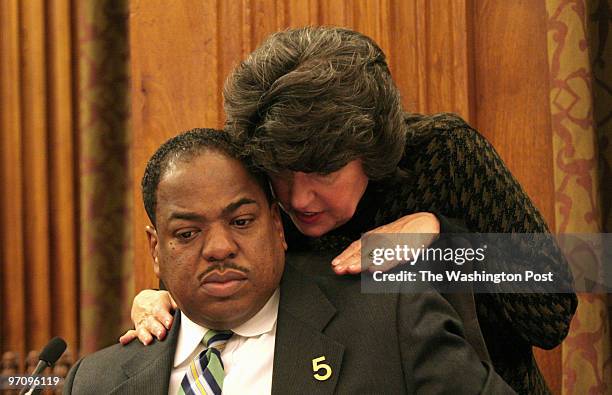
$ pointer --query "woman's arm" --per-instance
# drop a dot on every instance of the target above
(349, 261)
(151, 315)
(493, 201)
(454, 171)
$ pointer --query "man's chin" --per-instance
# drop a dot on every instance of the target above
(223, 317)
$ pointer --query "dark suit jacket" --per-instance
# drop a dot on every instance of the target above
(387, 344)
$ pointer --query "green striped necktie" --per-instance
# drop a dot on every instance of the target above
(205, 372)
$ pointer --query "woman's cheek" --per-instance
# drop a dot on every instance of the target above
(281, 190)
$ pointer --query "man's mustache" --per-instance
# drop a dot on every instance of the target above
(221, 267)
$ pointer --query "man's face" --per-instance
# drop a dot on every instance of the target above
(218, 245)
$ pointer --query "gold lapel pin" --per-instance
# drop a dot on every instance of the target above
(318, 365)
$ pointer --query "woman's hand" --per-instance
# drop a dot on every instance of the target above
(151, 315)
(349, 261)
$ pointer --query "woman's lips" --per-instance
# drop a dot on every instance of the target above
(308, 217)
(223, 284)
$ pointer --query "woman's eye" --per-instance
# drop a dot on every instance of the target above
(325, 179)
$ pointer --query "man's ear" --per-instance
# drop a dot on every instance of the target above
(278, 223)
(153, 248)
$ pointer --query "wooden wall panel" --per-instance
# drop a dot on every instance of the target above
(172, 61)
(442, 48)
(368, 18)
(511, 91)
(231, 13)
(335, 12)
(265, 18)
(403, 54)
(512, 108)
(298, 13)
(427, 45)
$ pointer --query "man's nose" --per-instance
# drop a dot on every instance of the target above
(219, 244)
(302, 193)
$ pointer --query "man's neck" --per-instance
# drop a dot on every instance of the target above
(254, 321)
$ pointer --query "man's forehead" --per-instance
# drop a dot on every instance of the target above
(175, 211)
(207, 169)
(207, 184)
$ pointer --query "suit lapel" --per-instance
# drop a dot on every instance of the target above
(148, 371)
(304, 312)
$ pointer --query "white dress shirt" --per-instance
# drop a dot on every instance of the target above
(247, 358)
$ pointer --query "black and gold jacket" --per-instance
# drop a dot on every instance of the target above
(450, 169)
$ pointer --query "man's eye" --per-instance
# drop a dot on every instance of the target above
(242, 222)
(186, 235)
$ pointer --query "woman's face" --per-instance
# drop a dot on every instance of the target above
(318, 203)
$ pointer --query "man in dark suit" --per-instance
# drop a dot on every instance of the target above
(248, 323)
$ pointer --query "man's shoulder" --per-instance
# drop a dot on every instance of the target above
(101, 371)
(351, 301)
(111, 357)
(114, 366)
(346, 292)
(400, 306)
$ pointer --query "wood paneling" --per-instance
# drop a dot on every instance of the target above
(511, 91)
(442, 49)
(512, 108)
(163, 99)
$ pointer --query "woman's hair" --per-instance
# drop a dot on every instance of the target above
(315, 98)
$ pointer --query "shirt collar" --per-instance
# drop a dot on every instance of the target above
(191, 334)
(263, 321)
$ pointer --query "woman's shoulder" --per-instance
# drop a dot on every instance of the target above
(441, 121)
(438, 133)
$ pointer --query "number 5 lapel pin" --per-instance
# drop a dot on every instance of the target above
(321, 371)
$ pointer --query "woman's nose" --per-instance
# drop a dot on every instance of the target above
(302, 194)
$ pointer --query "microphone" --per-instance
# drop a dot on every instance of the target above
(48, 356)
